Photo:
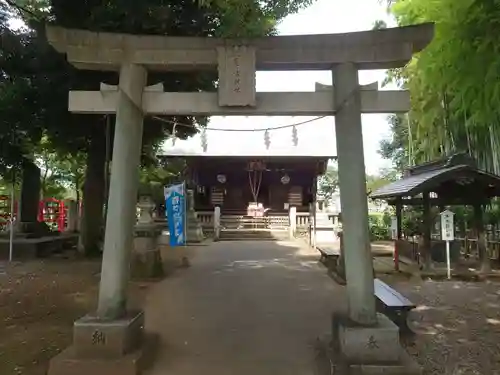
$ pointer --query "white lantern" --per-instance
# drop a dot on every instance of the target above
(285, 180)
(221, 178)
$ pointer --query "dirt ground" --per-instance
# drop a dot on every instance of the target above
(457, 323)
(39, 302)
(457, 326)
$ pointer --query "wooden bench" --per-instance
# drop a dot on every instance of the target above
(327, 254)
(393, 304)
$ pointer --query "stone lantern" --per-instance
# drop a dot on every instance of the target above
(146, 257)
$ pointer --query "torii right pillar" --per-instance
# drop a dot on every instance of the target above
(368, 341)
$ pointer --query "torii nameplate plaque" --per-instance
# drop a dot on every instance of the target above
(237, 67)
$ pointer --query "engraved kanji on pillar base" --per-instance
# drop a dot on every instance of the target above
(118, 346)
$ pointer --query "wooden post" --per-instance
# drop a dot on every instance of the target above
(482, 243)
(426, 233)
(399, 207)
(216, 222)
(292, 215)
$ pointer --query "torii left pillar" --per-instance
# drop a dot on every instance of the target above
(112, 340)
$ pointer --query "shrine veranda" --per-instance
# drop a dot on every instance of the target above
(277, 182)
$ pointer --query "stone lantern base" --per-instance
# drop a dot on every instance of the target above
(194, 231)
(146, 259)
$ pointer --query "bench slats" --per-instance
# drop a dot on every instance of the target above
(328, 251)
(390, 297)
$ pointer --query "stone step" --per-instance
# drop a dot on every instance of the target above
(323, 221)
(254, 235)
(254, 219)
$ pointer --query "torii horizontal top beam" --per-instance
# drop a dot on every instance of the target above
(268, 103)
(375, 49)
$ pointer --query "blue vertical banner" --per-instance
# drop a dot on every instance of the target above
(175, 199)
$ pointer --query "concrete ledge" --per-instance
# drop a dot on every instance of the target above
(405, 366)
(32, 248)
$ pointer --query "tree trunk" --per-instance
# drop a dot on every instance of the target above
(482, 243)
(93, 198)
(78, 210)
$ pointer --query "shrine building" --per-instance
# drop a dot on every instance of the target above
(274, 181)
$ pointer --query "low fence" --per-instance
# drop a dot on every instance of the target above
(206, 219)
(465, 247)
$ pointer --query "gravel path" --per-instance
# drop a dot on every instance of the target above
(457, 325)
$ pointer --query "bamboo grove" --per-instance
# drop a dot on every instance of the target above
(454, 84)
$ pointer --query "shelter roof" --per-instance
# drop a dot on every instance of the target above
(455, 179)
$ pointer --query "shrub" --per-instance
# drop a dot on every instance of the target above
(379, 230)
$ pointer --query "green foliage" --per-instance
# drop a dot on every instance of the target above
(454, 83)
(379, 25)
(153, 178)
(36, 79)
(398, 147)
(379, 230)
(19, 130)
(377, 181)
(252, 18)
(328, 183)
(62, 174)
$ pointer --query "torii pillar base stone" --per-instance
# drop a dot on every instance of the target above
(112, 347)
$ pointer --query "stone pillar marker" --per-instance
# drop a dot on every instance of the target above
(292, 215)
(194, 231)
(72, 216)
(217, 215)
(27, 221)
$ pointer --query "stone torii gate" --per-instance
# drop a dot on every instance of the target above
(113, 332)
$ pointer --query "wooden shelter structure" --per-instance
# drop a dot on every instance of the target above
(454, 180)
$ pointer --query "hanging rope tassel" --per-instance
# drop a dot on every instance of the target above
(251, 184)
(254, 185)
(257, 191)
(295, 138)
(174, 138)
(204, 143)
(267, 139)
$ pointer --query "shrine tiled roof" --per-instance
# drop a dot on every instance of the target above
(414, 184)
(442, 176)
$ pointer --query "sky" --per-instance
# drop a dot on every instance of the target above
(318, 137)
